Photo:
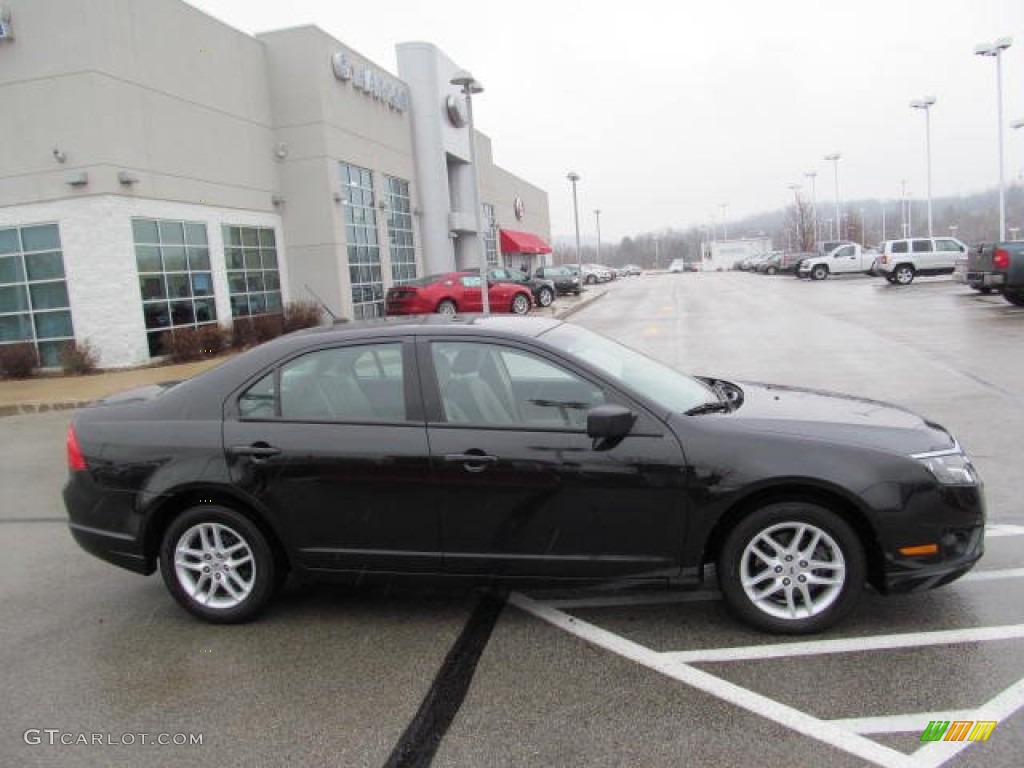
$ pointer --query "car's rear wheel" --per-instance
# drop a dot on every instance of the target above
(771, 270)
(545, 296)
(791, 567)
(590, 279)
(447, 308)
(903, 274)
(218, 564)
(520, 304)
(1017, 299)
(820, 272)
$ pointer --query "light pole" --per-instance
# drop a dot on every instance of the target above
(834, 157)
(1013, 232)
(798, 218)
(883, 220)
(573, 177)
(469, 86)
(597, 217)
(725, 225)
(952, 229)
(813, 176)
(926, 104)
(828, 222)
(996, 50)
(904, 209)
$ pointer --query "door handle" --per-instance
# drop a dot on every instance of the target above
(256, 451)
(471, 462)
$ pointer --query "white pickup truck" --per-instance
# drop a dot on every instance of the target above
(843, 259)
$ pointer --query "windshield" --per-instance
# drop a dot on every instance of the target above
(672, 390)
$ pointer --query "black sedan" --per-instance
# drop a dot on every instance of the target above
(510, 449)
(566, 279)
(543, 291)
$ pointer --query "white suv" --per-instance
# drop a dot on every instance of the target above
(900, 261)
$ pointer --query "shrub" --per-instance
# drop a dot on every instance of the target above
(18, 361)
(301, 314)
(184, 345)
(78, 357)
(250, 331)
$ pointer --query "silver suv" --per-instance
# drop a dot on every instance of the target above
(900, 261)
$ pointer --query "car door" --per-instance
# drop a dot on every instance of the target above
(471, 297)
(332, 444)
(845, 260)
(947, 251)
(924, 254)
(524, 491)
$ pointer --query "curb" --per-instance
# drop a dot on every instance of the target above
(17, 409)
(581, 304)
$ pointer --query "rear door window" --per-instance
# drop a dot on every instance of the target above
(900, 246)
(922, 246)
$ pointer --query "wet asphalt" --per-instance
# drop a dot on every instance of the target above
(339, 676)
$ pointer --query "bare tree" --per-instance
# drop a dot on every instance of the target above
(799, 225)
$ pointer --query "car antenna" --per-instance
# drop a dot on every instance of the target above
(324, 306)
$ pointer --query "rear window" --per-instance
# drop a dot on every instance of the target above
(922, 246)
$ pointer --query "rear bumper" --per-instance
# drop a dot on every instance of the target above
(117, 548)
(986, 279)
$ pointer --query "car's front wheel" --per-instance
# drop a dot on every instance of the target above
(446, 308)
(545, 296)
(521, 304)
(791, 567)
(820, 272)
(218, 564)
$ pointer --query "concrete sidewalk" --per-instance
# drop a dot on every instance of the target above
(52, 393)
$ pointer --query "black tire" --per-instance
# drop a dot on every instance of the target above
(232, 574)
(447, 307)
(521, 304)
(837, 551)
(590, 280)
(983, 289)
(771, 270)
(890, 279)
(819, 272)
(545, 296)
(1017, 299)
(903, 274)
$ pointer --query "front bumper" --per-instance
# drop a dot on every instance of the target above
(904, 576)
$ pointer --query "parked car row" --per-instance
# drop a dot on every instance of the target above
(898, 261)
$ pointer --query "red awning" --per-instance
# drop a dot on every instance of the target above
(522, 242)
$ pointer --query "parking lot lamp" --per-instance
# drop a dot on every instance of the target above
(469, 86)
(926, 104)
(813, 176)
(834, 157)
(597, 220)
(798, 218)
(952, 229)
(995, 50)
(725, 225)
(573, 177)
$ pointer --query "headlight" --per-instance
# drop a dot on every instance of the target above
(950, 467)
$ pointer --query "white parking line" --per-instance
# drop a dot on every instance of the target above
(666, 596)
(994, 574)
(646, 598)
(787, 716)
(993, 531)
(850, 644)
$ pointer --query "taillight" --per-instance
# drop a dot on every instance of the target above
(884, 259)
(1001, 259)
(76, 461)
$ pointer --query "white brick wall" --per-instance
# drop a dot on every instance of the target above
(99, 261)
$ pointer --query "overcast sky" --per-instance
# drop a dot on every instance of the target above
(668, 110)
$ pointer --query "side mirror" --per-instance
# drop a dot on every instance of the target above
(609, 422)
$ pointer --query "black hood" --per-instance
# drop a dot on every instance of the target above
(834, 417)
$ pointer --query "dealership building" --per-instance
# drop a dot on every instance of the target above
(160, 169)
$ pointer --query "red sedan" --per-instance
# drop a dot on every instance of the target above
(455, 292)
